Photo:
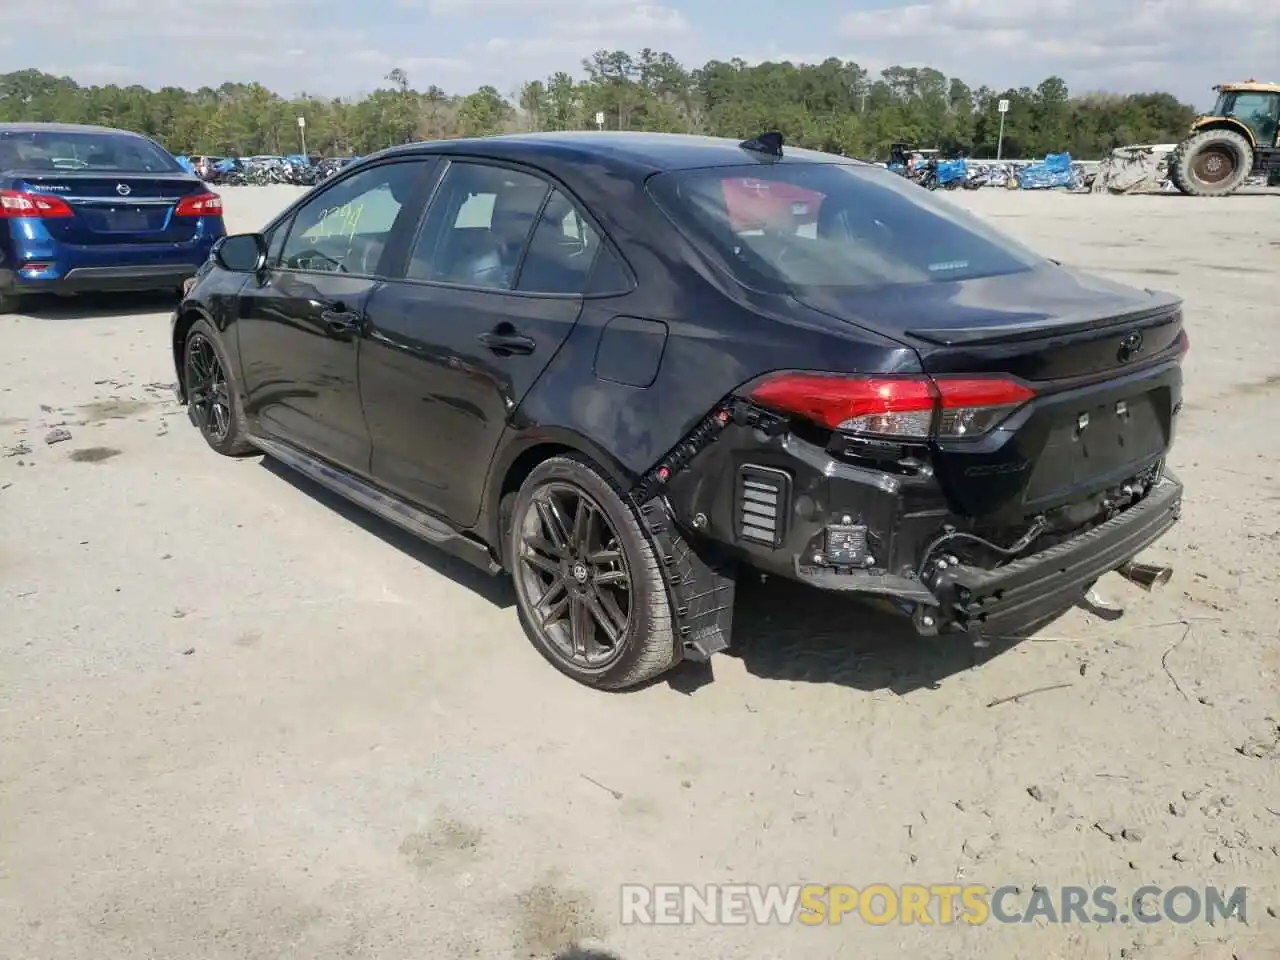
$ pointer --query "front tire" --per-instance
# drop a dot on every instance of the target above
(212, 401)
(589, 588)
(1211, 164)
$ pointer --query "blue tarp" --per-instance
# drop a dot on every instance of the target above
(186, 164)
(950, 170)
(1054, 171)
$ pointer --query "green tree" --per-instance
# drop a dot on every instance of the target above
(835, 105)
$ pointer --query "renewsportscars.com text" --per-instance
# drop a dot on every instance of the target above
(880, 904)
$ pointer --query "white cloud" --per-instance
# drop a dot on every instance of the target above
(335, 47)
(289, 45)
(569, 32)
(562, 8)
(1182, 45)
(95, 72)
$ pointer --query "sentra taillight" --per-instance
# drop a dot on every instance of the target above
(15, 203)
(200, 205)
(908, 408)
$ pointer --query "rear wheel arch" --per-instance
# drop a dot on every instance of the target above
(1231, 125)
(519, 459)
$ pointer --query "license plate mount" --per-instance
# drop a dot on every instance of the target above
(1098, 441)
(127, 221)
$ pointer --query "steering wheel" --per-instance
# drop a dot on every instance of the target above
(311, 253)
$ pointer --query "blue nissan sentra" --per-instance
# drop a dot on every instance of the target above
(92, 209)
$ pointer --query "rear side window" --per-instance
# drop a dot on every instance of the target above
(563, 248)
(88, 151)
(477, 227)
(794, 226)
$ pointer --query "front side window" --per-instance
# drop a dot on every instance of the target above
(798, 226)
(478, 226)
(86, 151)
(345, 228)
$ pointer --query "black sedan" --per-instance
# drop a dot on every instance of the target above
(623, 367)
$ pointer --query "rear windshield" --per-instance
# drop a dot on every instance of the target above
(796, 226)
(90, 151)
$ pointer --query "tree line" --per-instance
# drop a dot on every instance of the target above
(836, 106)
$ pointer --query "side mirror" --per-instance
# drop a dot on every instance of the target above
(241, 253)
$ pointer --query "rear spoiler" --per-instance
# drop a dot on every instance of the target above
(1039, 328)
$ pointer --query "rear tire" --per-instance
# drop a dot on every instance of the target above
(589, 589)
(8, 303)
(1211, 164)
(213, 402)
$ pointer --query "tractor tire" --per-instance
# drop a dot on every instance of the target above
(1211, 164)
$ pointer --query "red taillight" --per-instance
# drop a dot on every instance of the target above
(905, 407)
(1185, 346)
(200, 205)
(14, 203)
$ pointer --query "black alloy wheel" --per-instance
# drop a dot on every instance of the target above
(575, 573)
(207, 391)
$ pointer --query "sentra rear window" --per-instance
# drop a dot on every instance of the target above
(88, 151)
(795, 226)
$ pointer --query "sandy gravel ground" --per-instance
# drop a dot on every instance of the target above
(239, 721)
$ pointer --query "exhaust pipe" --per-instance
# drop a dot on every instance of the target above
(1146, 575)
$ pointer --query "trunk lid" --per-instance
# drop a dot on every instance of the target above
(116, 209)
(1101, 357)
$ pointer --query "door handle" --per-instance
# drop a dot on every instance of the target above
(340, 321)
(507, 342)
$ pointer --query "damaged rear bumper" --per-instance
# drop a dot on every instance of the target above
(1028, 589)
(741, 490)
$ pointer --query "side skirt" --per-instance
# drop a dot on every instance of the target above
(382, 504)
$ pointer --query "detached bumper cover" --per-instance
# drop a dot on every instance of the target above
(1038, 585)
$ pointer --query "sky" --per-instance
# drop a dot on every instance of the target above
(347, 47)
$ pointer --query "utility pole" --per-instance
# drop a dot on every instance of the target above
(1003, 107)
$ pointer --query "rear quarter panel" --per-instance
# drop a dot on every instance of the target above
(718, 336)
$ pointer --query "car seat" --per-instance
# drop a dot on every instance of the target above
(494, 264)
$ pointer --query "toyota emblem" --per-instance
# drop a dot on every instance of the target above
(123, 189)
(1130, 347)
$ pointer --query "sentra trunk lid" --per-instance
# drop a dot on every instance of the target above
(116, 209)
(1103, 360)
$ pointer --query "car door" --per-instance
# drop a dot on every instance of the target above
(300, 317)
(492, 286)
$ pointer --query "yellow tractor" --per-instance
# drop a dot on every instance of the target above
(1236, 140)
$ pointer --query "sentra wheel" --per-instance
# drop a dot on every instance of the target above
(211, 397)
(588, 586)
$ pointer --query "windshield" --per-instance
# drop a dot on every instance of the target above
(795, 226)
(87, 151)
